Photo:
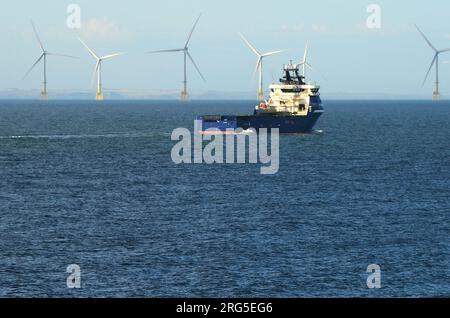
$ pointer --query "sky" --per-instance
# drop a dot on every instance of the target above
(349, 57)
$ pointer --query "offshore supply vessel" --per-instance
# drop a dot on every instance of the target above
(294, 106)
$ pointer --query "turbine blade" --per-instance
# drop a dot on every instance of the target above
(426, 39)
(305, 54)
(195, 65)
(274, 52)
(192, 31)
(165, 51)
(90, 51)
(429, 70)
(37, 37)
(63, 55)
(249, 45)
(94, 73)
(32, 67)
(314, 69)
(258, 65)
(111, 56)
(443, 51)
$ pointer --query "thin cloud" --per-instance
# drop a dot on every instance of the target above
(293, 28)
(386, 29)
(316, 27)
(102, 29)
(319, 28)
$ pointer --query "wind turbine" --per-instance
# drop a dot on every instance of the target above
(187, 55)
(304, 63)
(98, 69)
(436, 93)
(43, 56)
(259, 65)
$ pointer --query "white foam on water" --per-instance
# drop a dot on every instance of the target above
(74, 136)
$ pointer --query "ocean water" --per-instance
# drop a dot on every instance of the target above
(93, 184)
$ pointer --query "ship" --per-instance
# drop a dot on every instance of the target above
(294, 106)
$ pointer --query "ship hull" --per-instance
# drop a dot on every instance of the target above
(287, 124)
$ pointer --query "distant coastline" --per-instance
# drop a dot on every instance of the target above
(120, 94)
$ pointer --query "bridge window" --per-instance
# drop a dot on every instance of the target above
(295, 90)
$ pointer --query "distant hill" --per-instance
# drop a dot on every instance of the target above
(119, 94)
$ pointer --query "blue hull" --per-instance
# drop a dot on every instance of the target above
(287, 124)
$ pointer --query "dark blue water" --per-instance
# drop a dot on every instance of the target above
(94, 185)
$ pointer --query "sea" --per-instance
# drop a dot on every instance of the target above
(94, 185)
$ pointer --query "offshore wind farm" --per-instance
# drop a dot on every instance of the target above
(188, 58)
(253, 151)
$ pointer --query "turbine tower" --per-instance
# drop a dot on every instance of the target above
(436, 93)
(187, 55)
(259, 65)
(98, 69)
(43, 56)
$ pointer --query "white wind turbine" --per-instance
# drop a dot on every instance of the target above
(436, 93)
(259, 65)
(304, 63)
(43, 56)
(98, 69)
(185, 50)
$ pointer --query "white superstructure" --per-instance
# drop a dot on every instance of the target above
(293, 95)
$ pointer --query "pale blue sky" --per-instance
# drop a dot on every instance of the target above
(392, 60)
